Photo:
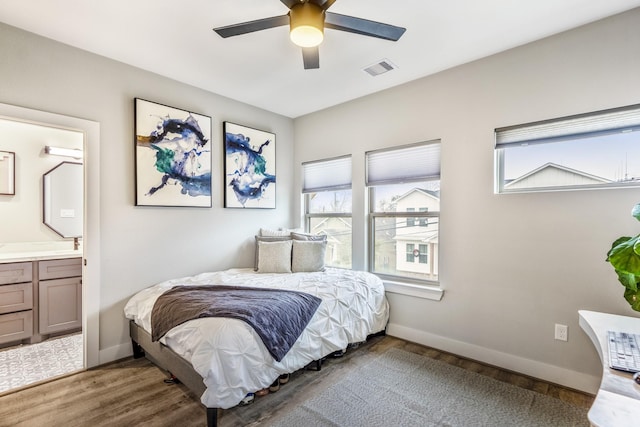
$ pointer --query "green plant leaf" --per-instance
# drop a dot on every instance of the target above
(628, 280)
(635, 212)
(623, 257)
(616, 243)
(633, 298)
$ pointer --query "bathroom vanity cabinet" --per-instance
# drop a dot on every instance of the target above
(39, 298)
(16, 301)
(59, 295)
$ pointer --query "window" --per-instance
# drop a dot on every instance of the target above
(423, 221)
(417, 255)
(327, 196)
(404, 212)
(411, 221)
(423, 254)
(410, 248)
(594, 150)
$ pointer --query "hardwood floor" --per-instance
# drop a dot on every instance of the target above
(132, 392)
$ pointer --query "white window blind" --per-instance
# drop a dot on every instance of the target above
(325, 175)
(416, 162)
(618, 120)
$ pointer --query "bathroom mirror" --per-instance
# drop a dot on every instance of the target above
(7, 172)
(63, 201)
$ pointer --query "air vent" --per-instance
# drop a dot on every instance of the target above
(379, 68)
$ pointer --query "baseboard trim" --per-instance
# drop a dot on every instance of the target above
(116, 352)
(554, 374)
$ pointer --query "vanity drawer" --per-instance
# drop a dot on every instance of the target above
(16, 272)
(60, 268)
(16, 297)
(16, 326)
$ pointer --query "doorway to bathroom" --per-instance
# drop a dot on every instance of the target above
(42, 250)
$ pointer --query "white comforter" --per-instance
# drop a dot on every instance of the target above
(231, 357)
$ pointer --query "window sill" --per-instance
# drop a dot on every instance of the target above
(434, 293)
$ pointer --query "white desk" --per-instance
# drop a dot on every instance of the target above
(617, 403)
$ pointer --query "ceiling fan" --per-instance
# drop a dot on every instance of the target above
(307, 20)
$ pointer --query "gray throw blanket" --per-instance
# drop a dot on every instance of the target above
(277, 316)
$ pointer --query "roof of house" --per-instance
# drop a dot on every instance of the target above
(554, 166)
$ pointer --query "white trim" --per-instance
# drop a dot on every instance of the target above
(115, 352)
(532, 368)
(434, 293)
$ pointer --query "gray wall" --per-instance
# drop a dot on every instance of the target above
(136, 249)
(511, 265)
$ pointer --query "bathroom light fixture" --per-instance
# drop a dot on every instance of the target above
(65, 152)
(306, 24)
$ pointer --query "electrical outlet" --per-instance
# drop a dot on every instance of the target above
(562, 332)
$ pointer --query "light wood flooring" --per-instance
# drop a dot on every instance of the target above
(132, 392)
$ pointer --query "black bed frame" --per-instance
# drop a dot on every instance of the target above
(165, 358)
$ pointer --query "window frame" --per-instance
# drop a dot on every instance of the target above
(575, 127)
(308, 216)
(340, 185)
(431, 148)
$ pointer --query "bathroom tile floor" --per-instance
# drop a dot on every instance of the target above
(28, 364)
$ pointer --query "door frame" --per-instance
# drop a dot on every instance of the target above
(91, 221)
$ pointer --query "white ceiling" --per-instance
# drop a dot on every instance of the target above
(175, 39)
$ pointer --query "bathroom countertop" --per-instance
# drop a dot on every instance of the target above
(37, 251)
(38, 255)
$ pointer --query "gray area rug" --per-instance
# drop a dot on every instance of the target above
(405, 389)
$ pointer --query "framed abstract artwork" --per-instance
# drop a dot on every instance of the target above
(250, 167)
(173, 156)
(7, 173)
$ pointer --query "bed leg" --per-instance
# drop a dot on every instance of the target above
(382, 333)
(138, 351)
(316, 365)
(212, 417)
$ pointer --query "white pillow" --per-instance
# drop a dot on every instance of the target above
(293, 230)
(274, 233)
(274, 257)
(308, 236)
(308, 256)
(265, 239)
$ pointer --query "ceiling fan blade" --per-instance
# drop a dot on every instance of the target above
(290, 3)
(323, 4)
(311, 57)
(364, 27)
(251, 26)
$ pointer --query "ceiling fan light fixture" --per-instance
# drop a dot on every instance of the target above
(306, 25)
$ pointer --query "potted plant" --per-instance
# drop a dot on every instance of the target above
(624, 256)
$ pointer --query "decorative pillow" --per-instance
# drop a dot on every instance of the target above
(274, 257)
(307, 236)
(274, 233)
(308, 255)
(292, 230)
(266, 239)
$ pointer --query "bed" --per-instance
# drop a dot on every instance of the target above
(224, 359)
